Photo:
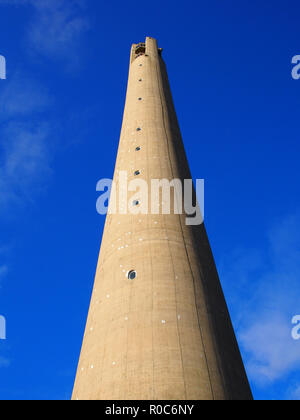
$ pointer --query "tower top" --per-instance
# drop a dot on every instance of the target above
(146, 48)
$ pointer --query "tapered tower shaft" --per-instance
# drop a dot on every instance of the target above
(163, 332)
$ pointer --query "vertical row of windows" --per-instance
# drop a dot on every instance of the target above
(131, 275)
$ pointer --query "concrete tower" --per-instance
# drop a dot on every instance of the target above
(158, 325)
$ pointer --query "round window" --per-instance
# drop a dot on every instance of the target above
(137, 173)
(138, 149)
(131, 275)
(136, 202)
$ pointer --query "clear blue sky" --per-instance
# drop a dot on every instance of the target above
(229, 64)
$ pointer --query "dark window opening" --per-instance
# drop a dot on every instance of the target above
(140, 49)
(131, 275)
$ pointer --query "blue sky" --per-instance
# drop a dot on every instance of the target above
(229, 65)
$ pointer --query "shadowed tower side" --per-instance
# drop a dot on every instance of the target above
(163, 332)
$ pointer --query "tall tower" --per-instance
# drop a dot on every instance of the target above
(158, 325)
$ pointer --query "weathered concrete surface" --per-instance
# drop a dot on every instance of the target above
(167, 334)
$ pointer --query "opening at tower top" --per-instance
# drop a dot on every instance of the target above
(140, 49)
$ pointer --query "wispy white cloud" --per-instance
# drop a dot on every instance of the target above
(4, 362)
(25, 152)
(25, 162)
(3, 266)
(265, 289)
(4, 249)
(272, 352)
(21, 96)
(3, 271)
(294, 394)
(56, 27)
(54, 31)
